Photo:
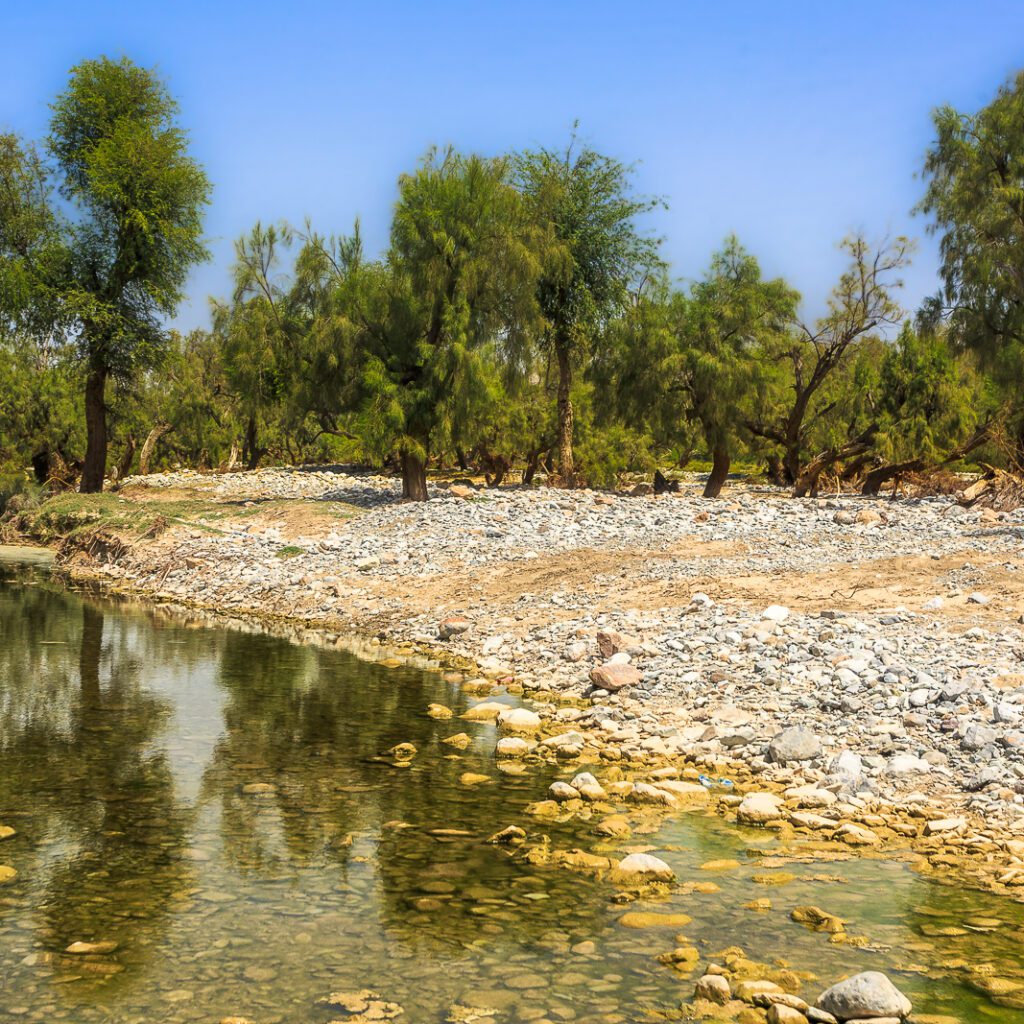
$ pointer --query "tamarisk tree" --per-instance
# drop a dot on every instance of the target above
(974, 170)
(138, 199)
(586, 201)
(862, 301)
(460, 277)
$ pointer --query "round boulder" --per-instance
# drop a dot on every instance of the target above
(864, 997)
(794, 744)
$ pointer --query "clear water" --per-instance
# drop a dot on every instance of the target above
(126, 737)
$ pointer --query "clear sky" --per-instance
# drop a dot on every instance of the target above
(790, 123)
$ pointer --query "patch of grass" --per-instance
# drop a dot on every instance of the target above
(290, 551)
(79, 516)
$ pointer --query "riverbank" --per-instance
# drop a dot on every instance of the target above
(861, 659)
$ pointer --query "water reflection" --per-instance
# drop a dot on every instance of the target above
(220, 806)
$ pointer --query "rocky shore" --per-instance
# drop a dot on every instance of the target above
(856, 662)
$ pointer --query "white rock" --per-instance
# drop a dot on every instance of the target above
(518, 720)
(775, 613)
(642, 867)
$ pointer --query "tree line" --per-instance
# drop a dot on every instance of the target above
(520, 322)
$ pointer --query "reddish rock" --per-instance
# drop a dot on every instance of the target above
(615, 677)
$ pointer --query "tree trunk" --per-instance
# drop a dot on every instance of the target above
(883, 474)
(719, 471)
(794, 429)
(125, 465)
(775, 471)
(566, 469)
(41, 465)
(532, 464)
(149, 445)
(414, 478)
(253, 452)
(807, 481)
(232, 455)
(95, 467)
(460, 457)
(853, 469)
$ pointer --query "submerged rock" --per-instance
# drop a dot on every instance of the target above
(367, 1004)
(259, 789)
(652, 919)
(487, 711)
(91, 948)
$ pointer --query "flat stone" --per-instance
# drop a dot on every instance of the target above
(615, 677)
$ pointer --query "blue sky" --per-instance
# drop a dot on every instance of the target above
(789, 123)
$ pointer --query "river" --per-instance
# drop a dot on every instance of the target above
(128, 738)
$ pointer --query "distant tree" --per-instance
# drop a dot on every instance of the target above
(692, 360)
(929, 403)
(257, 332)
(460, 277)
(585, 199)
(974, 195)
(731, 318)
(38, 425)
(861, 303)
(33, 254)
(138, 199)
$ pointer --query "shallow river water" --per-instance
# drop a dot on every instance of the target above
(127, 736)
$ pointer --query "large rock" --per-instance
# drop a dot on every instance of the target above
(865, 996)
(847, 765)
(714, 988)
(759, 809)
(794, 744)
(519, 720)
(487, 711)
(642, 867)
(615, 677)
(977, 737)
(512, 746)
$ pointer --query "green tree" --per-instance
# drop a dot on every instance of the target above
(586, 201)
(929, 403)
(461, 275)
(862, 302)
(138, 199)
(695, 359)
(257, 332)
(974, 195)
(33, 257)
(38, 424)
(731, 319)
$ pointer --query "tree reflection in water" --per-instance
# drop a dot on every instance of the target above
(87, 786)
